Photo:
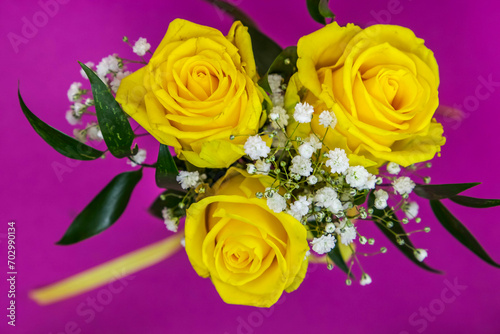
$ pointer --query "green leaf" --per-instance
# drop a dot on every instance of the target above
(381, 217)
(285, 65)
(441, 191)
(336, 257)
(265, 50)
(62, 143)
(104, 209)
(319, 10)
(360, 198)
(459, 231)
(166, 170)
(475, 202)
(169, 199)
(113, 122)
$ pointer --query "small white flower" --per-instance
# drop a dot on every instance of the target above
(403, 185)
(382, 194)
(365, 279)
(71, 118)
(330, 228)
(328, 119)
(275, 83)
(170, 220)
(262, 167)
(314, 141)
(183, 242)
(80, 135)
(312, 180)
(251, 169)
(306, 150)
(117, 80)
(301, 165)
(89, 102)
(74, 91)
(370, 182)
(188, 179)
(420, 254)
(337, 161)
(380, 203)
(300, 207)
(277, 203)
(324, 197)
(90, 65)
(278, 100)
(393, 168)
(279, 140)
(79, 108)
(279, 117)
(411, 210)
(348, 234)
(108, 64)
(256, 148)
(303, 112)
(141, 46)
(323, 244)
(357, 176)
(139, 158)
(93, 132)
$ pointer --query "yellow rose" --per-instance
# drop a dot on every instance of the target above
(250, 252)
(198, 89)
(382, 84)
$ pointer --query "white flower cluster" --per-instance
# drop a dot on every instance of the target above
(189, 180)
(138, 159)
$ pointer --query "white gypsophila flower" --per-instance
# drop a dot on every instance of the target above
(93, 132)
(89, 102)
(328, 119)
(74, 91)
(357, 176)
(115, 83)
(300, 207)
(330, 228)
(323, 244)
(251, 169)
(80, 135)
(188, 179)
(325, 196)
(306, 150)
(139, 158)
(348, 235)
(312, 180)
(337, 161)
(411, 210)
(108, 64)
(279, 117)
(277, 203)
(403, 185)
(169, 219)
(301, 165)
(393, 168)
(279, 140)
(365, 280)
(71, 118)
(370, 182)
(278, 100)
(256, 148)
(275, 83)
(382, 194)
(90, 65)
(79, 108)
(262, 167)
(380, 203)
(336, 206)
(141, 46)
(314, 142)
(183, 242)
(420, 254)
(303, 112)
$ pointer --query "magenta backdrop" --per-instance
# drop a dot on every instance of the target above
(170, 297)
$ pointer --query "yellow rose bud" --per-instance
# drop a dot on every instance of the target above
(382, 84)
(251, 253)
(198, 89)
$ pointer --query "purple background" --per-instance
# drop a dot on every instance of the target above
(169, 297)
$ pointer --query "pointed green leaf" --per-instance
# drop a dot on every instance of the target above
(104, 209)
(459, 231)
(441, 191)
(113, 122)
(336, 257)
(319, 10)
(62, 143)
(475, 202)
(166, 170)
(168, 199)
(265, 50)
(381, 217)
(285, 65)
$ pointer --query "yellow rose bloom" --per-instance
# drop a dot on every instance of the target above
(382, 84)
(198, 89)
(251, 253)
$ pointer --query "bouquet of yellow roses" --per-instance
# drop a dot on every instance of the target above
(275, 157)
